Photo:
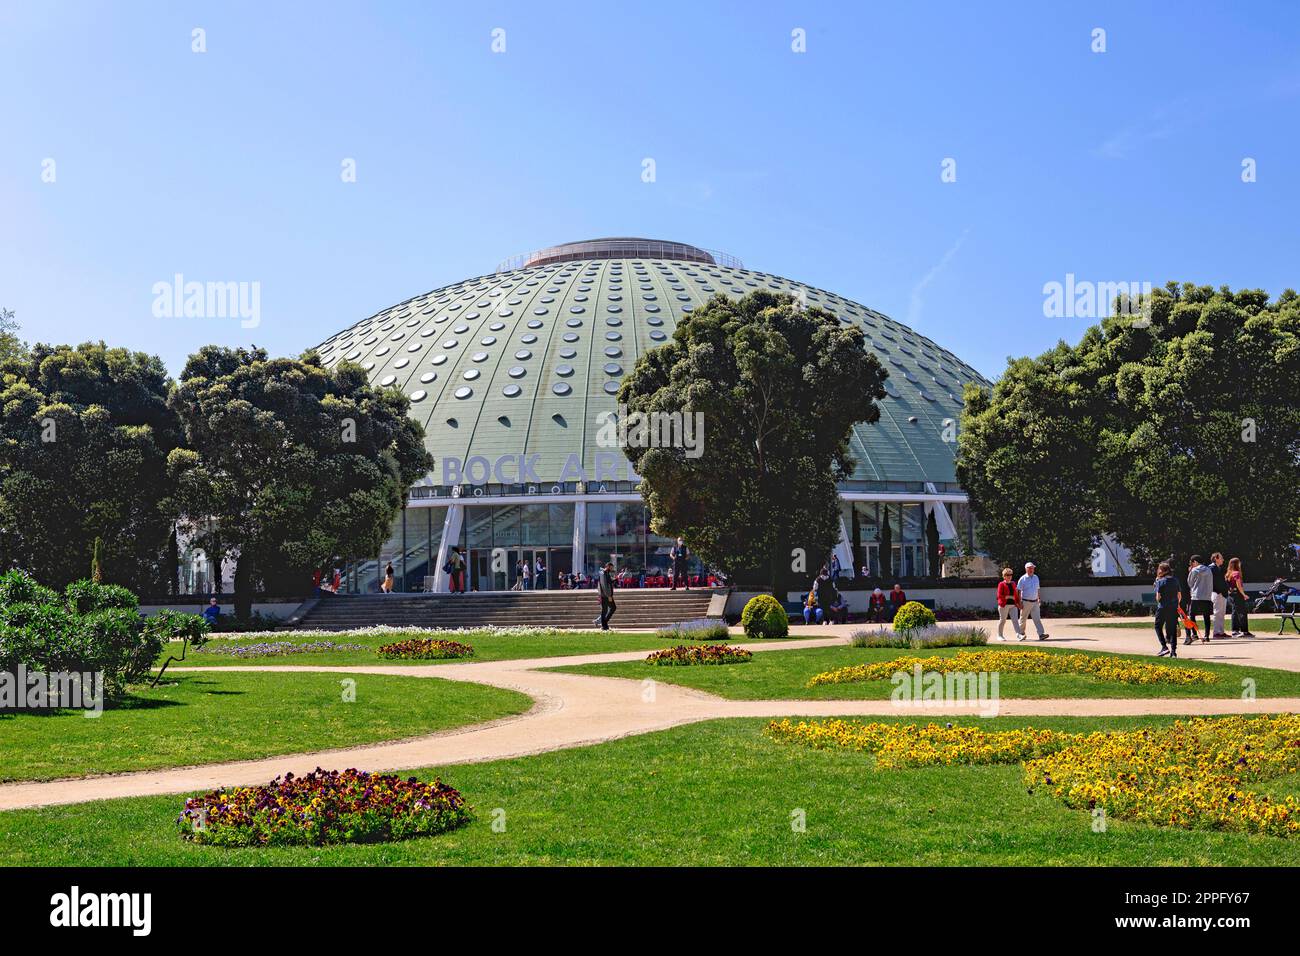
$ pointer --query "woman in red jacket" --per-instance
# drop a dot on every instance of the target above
(1009, 604)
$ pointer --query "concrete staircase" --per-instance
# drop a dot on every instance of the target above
(637, 607)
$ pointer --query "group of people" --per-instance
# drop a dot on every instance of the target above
(1207, 592)
(1020, 601)
(530, 574)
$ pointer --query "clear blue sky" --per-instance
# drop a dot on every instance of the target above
(822, 166)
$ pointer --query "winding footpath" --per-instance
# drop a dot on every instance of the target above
(574, 710)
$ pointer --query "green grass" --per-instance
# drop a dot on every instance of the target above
(487, 647)
(220, 716)
(717, 793)
(783, 675)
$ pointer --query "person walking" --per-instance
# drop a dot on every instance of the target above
(387, 586)
(1220, 597)
(528, 574)
(1200, 591)
(539, 576)
(678, 555)
(1008, 605)
(1166, 588)
(1030, 602)
(1240, 600)
(605, 585)
(835, 567)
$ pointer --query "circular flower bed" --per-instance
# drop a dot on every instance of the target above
(425, 649)
(1194, 774)
(326, 806)
(1116, 669)
(686, 654)
(274, 648)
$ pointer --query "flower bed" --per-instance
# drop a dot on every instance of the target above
(686, 654)
(1115, 669)
(916, 745)
(326, 806)
(425, 649)
(275, 648)
(1192, 774)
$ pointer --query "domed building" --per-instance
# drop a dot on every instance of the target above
(513, 374)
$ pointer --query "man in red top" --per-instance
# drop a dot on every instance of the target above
(896, 600)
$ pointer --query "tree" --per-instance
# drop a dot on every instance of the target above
(86, 433)
(1179, 433)
(289, 464)
(11, 347)
(779, 388)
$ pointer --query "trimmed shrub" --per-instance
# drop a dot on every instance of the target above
(764, 616)
(913, 615)
(702, 629)
(90, 627)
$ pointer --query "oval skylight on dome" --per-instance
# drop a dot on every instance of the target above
(438, 359)
(428, 377)
(387, 380)
(523, 355)
(419, 395)
(464, 392)
(511, 391)
(561, 388)
(612, 388)
(613, 368)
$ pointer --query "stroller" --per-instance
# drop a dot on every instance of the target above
(1274, 599)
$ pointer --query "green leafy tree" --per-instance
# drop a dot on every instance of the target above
(84, 438)
(289, 464)
(1177, 433)
(779, 388)
(11, 347)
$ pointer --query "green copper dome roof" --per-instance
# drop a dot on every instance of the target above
(527, 360)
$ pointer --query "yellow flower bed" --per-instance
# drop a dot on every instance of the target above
(1115, 669)
(1193, 774)
(916, 745)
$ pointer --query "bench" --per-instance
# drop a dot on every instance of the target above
(1292, 608)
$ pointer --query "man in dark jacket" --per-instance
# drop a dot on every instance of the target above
(605, 584)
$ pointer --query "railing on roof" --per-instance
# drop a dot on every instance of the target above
(619, 249)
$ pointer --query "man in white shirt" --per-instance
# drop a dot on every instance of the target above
(1029, 602)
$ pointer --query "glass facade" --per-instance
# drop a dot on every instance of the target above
(495, 539)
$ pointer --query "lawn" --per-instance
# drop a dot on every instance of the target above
(783, 675)
(487, 646)
(718, 793)
(195, 718)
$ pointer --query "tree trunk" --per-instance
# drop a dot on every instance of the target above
(243, 588)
